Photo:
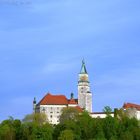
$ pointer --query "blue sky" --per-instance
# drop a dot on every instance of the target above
(42, 44)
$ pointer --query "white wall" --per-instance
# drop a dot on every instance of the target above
(138, 115)
(100, 115)
(53, 112)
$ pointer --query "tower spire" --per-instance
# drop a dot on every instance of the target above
(83, 68)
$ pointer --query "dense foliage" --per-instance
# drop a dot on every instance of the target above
(72, 127)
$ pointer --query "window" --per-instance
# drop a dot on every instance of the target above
(43, 109)
(50, 116)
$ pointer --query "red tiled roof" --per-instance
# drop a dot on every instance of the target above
(72, 101)
(130, 105)
(79, 108)
(53, 100)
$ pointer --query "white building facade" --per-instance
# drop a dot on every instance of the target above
(52, 106)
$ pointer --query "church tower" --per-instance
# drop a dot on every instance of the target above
(84, 94)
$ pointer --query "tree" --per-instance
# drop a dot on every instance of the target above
(120, 114)
(43, 132)
(69, 113)
(67, 125)
(17, 128)
(72, 125)
(107, 110)
(47, 131)
(39, 118)
(36, 127)
(85, 122)
(136, 133)
(110, 126)
(35, 131)
(66, 135)
(7, 131)
(127, 135)
(98, 129)
(57, 130)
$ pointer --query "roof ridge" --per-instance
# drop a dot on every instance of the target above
(53, 99)
(131, 105)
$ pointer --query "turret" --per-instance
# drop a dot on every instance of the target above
(34, 104)
(72, 95)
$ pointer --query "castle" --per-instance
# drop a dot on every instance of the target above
(52, 105)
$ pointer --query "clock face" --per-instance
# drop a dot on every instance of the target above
(83, 78)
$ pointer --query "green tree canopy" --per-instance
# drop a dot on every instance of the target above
(66, 135)
(69, 113)
(39, 118)
(107, 110)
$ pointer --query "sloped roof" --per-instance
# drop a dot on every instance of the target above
(50, 99)
(72, 101)
(83, 68)
(79, 108)
(131, 105)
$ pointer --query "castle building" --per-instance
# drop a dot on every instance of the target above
(52, 105)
